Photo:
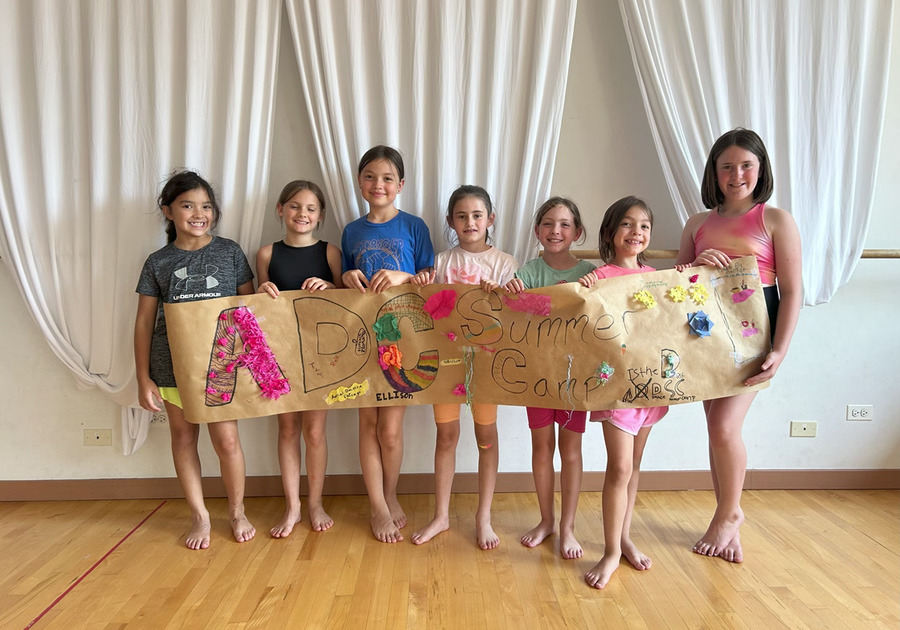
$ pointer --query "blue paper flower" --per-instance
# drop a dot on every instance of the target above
(699, 323)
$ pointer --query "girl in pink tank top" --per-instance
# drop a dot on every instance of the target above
(737, 182)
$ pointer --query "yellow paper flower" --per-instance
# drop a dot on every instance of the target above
(645, 298)
(699, 294)
(678, 293)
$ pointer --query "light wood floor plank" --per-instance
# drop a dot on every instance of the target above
(814, 559)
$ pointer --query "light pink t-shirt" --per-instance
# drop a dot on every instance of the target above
(457, 266)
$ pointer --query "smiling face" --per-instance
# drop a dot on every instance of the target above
(632, 235)
(470, 220)
(380, 184)
(192, 215)
(556, 231)
(737, 171)
(301, 213)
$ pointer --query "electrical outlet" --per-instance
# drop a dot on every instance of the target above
(860, 412)
(159, 419)
(98, 437)
(803, 429)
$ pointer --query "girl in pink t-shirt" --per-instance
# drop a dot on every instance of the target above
(624, 235)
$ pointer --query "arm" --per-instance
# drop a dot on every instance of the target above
(148, 392)
(788, 263)
(263, 258)
(333, 257)
(246, 288)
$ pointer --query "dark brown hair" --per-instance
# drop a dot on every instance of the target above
(749, 141)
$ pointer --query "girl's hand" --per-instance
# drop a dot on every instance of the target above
(588, 279)
(386, 278)
(767, 369)
(270, 288)
(315, 284)
(355, 279)
(488, 286)
(149, 396)
(515, 286)
(423, 277)
(712, 258)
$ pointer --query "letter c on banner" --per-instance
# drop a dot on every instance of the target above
(411, 307)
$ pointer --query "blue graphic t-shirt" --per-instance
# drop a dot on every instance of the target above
(402, 244)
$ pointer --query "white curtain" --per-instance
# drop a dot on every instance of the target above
(470, 92)
(810, 76)
(100, 101)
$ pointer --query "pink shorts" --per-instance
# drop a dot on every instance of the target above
(630, 420)
(571, 420)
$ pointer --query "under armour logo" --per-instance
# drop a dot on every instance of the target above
(196, 281)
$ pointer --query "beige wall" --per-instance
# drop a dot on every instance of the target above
(843, 351)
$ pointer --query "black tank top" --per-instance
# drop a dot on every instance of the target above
(290, 266)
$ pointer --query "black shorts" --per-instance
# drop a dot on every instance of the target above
(772, 301)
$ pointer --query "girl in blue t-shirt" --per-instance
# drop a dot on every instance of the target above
(385, 248)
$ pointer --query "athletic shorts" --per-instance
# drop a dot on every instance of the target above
(571, 420)
(481, 413)
(171, 395)
(630, 420)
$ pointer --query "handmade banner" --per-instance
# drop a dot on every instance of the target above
(640, 340)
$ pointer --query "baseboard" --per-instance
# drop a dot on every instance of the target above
(423, 483)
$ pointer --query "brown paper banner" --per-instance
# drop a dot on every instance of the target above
(642, 340)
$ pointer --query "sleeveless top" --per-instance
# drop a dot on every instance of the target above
(740, 236)
(290, 266)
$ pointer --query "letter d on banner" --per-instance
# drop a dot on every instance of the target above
(334, 342)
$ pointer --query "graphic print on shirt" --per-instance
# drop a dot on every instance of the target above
(465, 274)
(194, 281)
(379, 253)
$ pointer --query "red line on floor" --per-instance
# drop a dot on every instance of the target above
(95, 565)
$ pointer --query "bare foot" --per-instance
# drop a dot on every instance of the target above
(634, 556)
(721, 531)
(600, 573)
(568, 546)
(733, 551)
(485, 536)
(384, 529)
(198, 537)
(286, 525)
(534, 537)
(435, 527)
(397, 513)
(319, 519)
(242, 529)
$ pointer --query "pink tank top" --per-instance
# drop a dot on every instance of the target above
(740, 236)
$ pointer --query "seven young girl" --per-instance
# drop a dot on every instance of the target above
(385, 248)
(300, 261)
(624, 235)
(194, 265)
(557, 225)
(473, 261)
(737, 182)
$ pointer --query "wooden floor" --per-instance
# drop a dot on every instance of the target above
(814, 559)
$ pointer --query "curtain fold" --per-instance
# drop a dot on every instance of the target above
(810, 76)
(101, 100)
(470, 92)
